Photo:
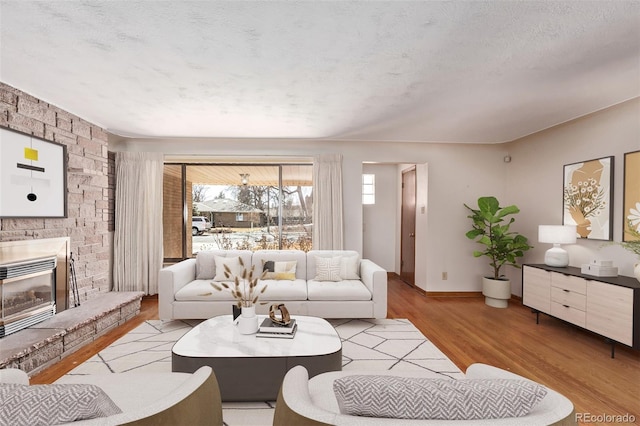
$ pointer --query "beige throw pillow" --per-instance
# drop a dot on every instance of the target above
(233, 263)
(328, 268)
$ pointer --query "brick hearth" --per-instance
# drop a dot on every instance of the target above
(42, 345)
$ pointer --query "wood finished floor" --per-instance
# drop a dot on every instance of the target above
(574, 362)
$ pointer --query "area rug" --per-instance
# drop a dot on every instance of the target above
(376, 344)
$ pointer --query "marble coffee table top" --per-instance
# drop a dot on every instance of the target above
(219, 337)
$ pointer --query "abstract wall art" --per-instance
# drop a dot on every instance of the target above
(588, 198)
(33, 176)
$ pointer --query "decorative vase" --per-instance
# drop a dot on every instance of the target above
(636, 271)
(248, 320)
(496, 292)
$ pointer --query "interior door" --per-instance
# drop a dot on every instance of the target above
(408, 227)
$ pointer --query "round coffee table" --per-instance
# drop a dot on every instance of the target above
(250, 368)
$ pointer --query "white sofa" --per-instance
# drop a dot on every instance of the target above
(185, 290)
(312, 402)
(147, 399)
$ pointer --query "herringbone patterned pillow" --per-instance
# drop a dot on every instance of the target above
(52, 404)
(440, 399)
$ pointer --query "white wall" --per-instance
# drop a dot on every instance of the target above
(535, 178)
(380, 219)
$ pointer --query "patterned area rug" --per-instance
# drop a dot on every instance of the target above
(382, 344)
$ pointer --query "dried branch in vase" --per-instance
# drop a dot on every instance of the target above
(245, 288)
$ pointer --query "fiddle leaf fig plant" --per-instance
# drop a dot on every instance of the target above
(490, 228)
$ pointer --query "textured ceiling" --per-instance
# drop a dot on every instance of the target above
(425, 71)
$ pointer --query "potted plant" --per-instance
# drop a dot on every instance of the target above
(490, 228)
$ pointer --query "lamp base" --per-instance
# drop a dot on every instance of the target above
(557, 257)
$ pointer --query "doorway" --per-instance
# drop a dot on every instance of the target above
(408, 227)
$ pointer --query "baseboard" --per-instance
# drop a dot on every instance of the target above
(453, 293)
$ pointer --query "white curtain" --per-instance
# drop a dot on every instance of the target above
(327, 202)
(137, 241)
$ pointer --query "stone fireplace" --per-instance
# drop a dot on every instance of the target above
(34, 277)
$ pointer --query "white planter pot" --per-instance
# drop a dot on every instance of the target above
(248, 320)
(496, 292)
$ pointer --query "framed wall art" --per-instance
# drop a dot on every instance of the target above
(588, 198)
(631, 206)
(33, 176)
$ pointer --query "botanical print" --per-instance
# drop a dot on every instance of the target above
(587, 198)
(631, 208)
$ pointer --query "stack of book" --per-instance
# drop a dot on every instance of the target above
(269, 328)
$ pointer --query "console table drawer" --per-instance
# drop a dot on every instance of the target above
(568, 282)
(569, 314)
(568, 297)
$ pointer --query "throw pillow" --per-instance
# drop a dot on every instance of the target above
(233, 263)
(328, 268)
(350, 267)
(279, 270)
(205, 265)
(54, 404)
(438, 399)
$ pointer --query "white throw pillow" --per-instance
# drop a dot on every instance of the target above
(438, 399)
(234, 265)
(350, 267)
(328, 268)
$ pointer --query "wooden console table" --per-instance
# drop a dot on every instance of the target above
(608, 306)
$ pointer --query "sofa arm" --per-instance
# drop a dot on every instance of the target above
(13, 375)
(170, 280)
(375, 279)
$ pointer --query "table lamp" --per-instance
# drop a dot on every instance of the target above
(557, 234)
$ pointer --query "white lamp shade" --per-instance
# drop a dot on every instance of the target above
(557, 234)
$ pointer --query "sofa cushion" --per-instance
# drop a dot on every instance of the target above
(350, 267)
(202, 290)
(228, 268)
(340, 290)
(349, 264)
(438, 399)
(282, 270)
(282, 290)
(328, 269)
(259, 257)
(205, 265)
(54, 404)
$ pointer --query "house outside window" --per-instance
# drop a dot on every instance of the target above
(248, 206)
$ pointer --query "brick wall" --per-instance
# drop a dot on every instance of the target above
(89, 196)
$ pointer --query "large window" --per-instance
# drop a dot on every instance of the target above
(236, 206)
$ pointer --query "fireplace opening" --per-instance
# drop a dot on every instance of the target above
(27, 293)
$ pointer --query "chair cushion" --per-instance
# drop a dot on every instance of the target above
(438, 399)
(54, 404)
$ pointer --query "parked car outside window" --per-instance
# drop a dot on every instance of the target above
(199, 225)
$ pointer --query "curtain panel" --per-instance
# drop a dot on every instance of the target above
(138, 252)
(327, 202)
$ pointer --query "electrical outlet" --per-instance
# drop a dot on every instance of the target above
(444, 276)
